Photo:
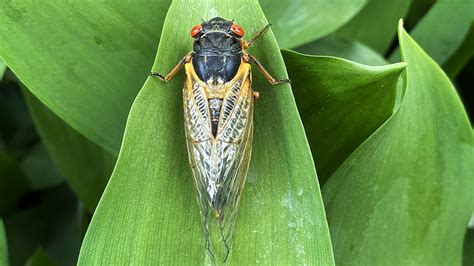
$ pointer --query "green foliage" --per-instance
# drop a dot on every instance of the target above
(3, 246)
(374, 29)
(12, 185)
(299, 232)
(325, 97)
(413, 175)
(299, 22)
(391, 143)
(91, 53)
(86, 165)
(51, 223)
(40, 258)
(348, 49)
(3, 68)
(468, 254)
(442, 29)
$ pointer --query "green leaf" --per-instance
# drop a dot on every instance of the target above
(17, 131)
(3, 68)
(461, 56)
(416, 11)
(85, 165)
(341, 103)
(376, 24)
(299, 22)
(89, 61)
(40, 169)
(3, 246)
(468, 246)
(50, 221)
(350, 50)
(40, 258)
(151, 197)
(13, 184)
(405, 195)
(442, 29)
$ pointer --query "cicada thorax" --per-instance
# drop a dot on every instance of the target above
(218, 104)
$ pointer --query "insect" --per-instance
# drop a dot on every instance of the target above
(218, 110)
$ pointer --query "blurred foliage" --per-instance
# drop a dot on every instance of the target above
(40, 258)
(71, 81)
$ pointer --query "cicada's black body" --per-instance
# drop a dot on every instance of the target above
(218, 109)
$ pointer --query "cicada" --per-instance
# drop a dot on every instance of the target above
(218, 115)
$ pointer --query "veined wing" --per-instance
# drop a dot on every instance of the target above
(219, 162)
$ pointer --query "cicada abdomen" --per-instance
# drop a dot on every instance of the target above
(218, 108)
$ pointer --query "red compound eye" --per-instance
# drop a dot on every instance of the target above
(196, 30)
(237, 30)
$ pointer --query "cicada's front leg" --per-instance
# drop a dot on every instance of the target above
(251, 59)
(175, 69)
(247, 44)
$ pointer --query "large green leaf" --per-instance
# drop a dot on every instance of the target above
(150, 197)
(340, 47)
(341, 103)
(296, 22)
(85, 165)
(88, 63)
(405, 195)
(3, 246)
(376, 24)
(442, 29)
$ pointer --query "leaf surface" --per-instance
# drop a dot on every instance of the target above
(405, 195)
(347, 49)
(375, 25)
(442, 30)
(88, 63)
(296, 22)
(341, 103)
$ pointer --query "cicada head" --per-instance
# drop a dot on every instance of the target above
(217, 25)
(217, 37)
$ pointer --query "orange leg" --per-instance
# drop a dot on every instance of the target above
(247, 44)
(175, 69)
(265, 72)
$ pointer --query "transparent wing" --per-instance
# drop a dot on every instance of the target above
(219, 163)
